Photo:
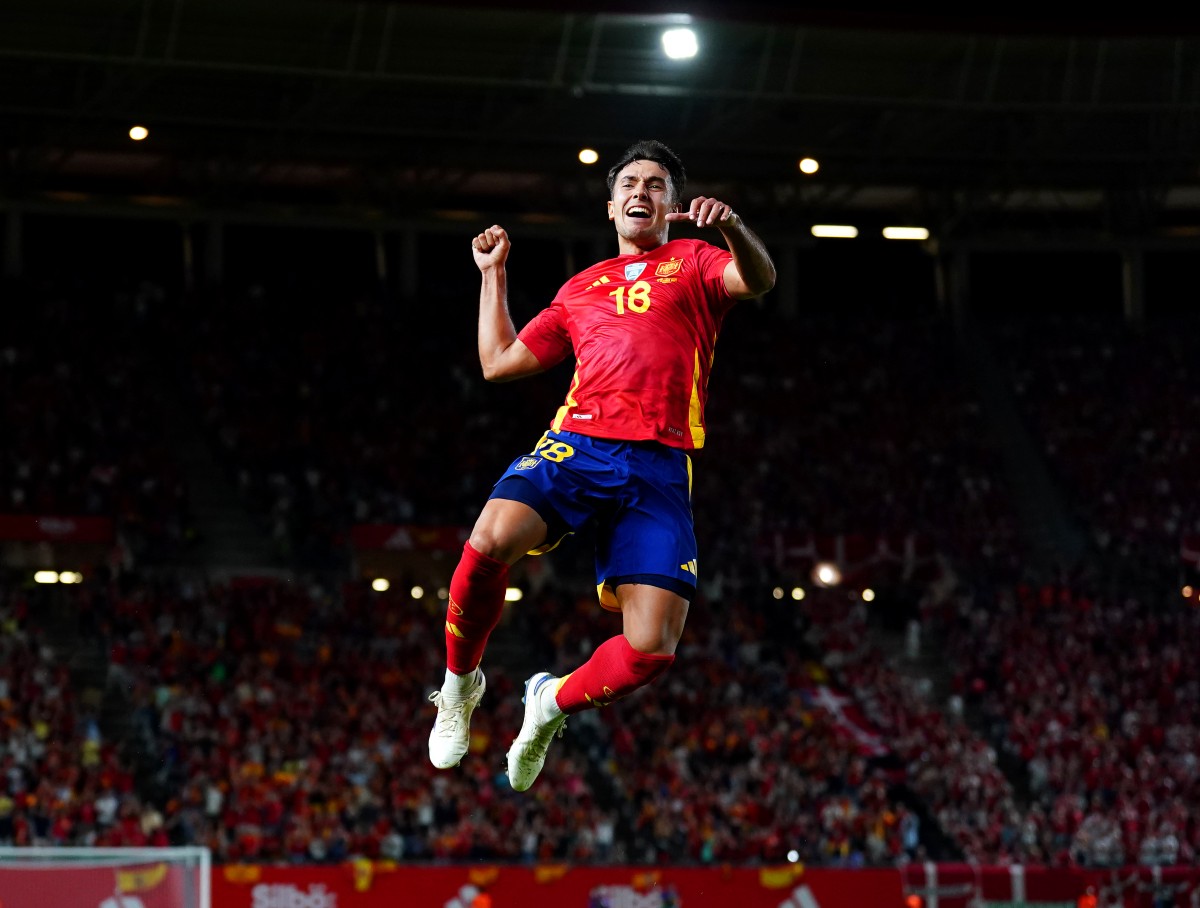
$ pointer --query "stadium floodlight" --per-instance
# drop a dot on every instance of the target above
(905, 233)
(680, 43)
(839, 231)
(588, 156)
(868, 595)
(70, 577)
(809, 165)
(777, 593)
(417, 592)
(138, 133)
(798, 593)
(381, 584)
(1187, 592)
(826, 573)
(513, 594)
(179, 877)
(45, 577)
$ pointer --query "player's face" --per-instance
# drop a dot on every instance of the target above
(642, 196)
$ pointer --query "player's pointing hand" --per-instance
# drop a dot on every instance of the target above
(705, 212)
(490, 248)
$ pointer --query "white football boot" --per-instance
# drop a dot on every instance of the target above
(451, 735)
(543, 723)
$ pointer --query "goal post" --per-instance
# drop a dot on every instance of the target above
(75, 877)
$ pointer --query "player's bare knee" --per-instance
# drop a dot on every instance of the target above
(651, 643)
(487, 542)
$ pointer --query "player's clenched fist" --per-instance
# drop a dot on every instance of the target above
(490, 247)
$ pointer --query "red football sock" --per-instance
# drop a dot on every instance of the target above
(615, 670)
(476, 601)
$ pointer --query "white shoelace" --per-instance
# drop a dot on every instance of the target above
(449, 715)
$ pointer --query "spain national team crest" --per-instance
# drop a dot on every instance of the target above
(528, 463)
(666, 269)
(632, 272)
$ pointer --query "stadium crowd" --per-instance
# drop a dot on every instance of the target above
(736, 759)
(276, 721)
(282, 722)
(61, 782)
(1117, 412)
(83, 424)
(783, 730)
(857, 424)
(1098, 698)
(254, 754)
(324, 433)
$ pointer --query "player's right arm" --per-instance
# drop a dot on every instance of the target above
(502, 356)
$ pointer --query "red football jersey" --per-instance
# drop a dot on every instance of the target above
(644, 329)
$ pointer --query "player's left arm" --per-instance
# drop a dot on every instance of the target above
(751, 273)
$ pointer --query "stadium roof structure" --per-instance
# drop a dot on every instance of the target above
(965, 123)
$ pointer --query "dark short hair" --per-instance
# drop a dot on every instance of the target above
(652, 150)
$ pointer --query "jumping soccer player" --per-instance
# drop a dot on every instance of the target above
(643, 327)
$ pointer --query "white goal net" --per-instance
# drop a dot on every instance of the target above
(105, 878)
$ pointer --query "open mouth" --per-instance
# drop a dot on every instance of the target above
(638, 211)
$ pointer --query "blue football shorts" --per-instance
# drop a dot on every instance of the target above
(638, 494)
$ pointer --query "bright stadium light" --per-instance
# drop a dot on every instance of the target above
(680, 43)
(46, 577)
(840, 231)
(777, 593)
(588, 156)
(797, 593)
(905, 233)
(793, 856)
(868, 595)
(826, 573)
(381, 584)
(1187, 592)
(417, 592)
(443, 593)
(70, 577)
(809, 165)
(513, 594)
(137, 133)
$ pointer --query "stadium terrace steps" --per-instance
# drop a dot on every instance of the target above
(229, 538)
(1051, 534)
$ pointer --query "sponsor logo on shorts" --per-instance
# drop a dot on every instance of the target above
(690, 567)
(528, 463)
